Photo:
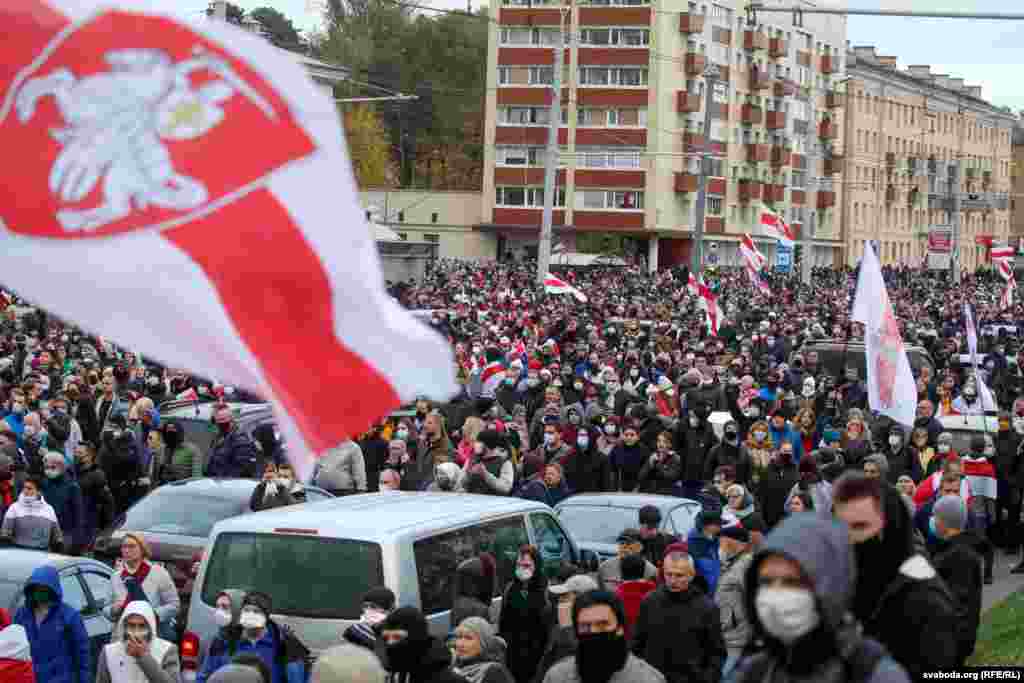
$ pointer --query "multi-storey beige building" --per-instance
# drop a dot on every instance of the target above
(906, 133)
(1017, 185)
(632, 126)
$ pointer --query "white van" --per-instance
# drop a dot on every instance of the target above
(317, 560)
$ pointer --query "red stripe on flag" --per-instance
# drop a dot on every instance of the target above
(29, 25)
(278, 296)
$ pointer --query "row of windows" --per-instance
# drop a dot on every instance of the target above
(872, 142)
(606, 36)
(533, 197)
(935, 122)
(624, 76)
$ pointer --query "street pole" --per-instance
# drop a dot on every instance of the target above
(954, 192)
(711, 75)
(551, 162)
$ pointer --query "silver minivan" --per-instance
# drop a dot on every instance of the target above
(318, 560)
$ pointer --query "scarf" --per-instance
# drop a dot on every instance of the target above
(133, 582)
(474, 670)
(35, 507)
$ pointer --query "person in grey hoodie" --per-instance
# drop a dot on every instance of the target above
(342, 470)
(799, 587)
(139, 655)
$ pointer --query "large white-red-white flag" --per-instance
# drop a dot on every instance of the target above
(754, 261)
(707, 302)
(187, 186)
(775, 226)
(554, 285)
(891, 387)
(1004, 266)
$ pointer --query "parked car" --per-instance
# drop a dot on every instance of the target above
(964, 427)
(834, 356)
(85, 583)
(595, 520)
(176, 519)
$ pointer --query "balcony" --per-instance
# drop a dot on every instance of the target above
(716, 186)
(714, 225)
(687, 102)
(776, 120)
(986, 179)
(759, 79)
(686, 183)
(970, 173)
(826, 199)
(828, 64)
(691, 23)
(693, 141)
(695, 63)
(833, 165)
(781, 156)
(757, 152)
(773, 193)
(750, 189)
(751, 115)
(784, 88)
(827, 130)
(890, 194)
(755, 40)
(833, 100)
(777, 48)
(913, 197)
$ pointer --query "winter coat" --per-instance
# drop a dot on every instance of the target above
(97, 502)
(65, 497)
(660, 473)
(626, 463)
(32, 524)
(773, 490)
(60, 644)
(589, 472)
(609, 574)
(184, 462)
(525, 624)
(159, 665)
(821, 495)
(342, 469)
(635, 670)
(787, 435)
(157, 586)
(435, 666)
(15, 652)
(536, 489)
(497, 479)
(680, 635)
(234, 455)
(278, 497)
(282, 652)
(729, 596)
(694, 445)
(704, 552)
(561, 644)
(632, 594)
(823, 552)
(728, 454)
(959, 565)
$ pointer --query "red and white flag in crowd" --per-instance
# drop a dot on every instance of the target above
(754, 261)
(188, 395)
(491, 378)
(988, 402)
(554, 285)
(205, 178)
(981, 475)
(775, 226)
(891, 387)
(708, 302)
(1001, 252)
(1004, 266)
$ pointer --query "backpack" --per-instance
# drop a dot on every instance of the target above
(860, 663)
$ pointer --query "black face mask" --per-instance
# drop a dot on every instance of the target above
(172, 438)
(404, 655)
(599, 656)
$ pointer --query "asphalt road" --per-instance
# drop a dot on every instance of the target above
(1005, 582)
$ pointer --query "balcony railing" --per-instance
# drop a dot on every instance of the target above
(695, 63)
(686, 182)
(688, 102)
(691, 23)
(827, 130)
(750, 189)
(781, 156)
(833, 165)
(751, 114)
(826, 199)
(777, 48)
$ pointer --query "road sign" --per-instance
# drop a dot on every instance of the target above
(783, 258)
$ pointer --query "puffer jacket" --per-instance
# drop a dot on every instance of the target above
(234, 455)
(60, 644)
(730, 600)
(660, 473)
(822, 549)
(342, 469)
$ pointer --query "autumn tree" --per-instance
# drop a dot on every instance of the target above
(368, 147)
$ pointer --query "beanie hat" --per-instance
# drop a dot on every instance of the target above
(681, 547)
(381, 597)
(736, 532)
(410, 620)
(491, 439)
(260, 600)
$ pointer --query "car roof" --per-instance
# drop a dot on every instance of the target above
(376, 516)
(855, 345)
(226, 488)
(625, 500)
(970, 423)
(17, 564)
(204, 411)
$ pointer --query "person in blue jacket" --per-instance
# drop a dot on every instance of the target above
(782, 431)
(275, 644)
(56, 633)
(703, 546)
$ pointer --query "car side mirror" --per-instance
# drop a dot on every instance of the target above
(589, 560)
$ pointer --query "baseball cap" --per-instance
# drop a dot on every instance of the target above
(581, 583)
(630, 536)
(650, 515)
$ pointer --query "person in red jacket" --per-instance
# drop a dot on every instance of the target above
(633, 589)
(15, 653)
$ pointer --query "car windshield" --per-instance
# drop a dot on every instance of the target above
(176, 510)
(9, 592)
(598, 523)
(308, 576)
(962, 439)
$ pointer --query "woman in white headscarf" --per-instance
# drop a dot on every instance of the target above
(140, 656)
(480, 653)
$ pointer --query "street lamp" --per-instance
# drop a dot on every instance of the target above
(711, 76)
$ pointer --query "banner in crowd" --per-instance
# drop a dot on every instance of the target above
(184, 182)
(554, 285)
(940, 247)
(773, 225)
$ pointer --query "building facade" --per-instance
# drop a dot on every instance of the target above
(632, 130)
(913, 140)
(446, 219)
(1017, 185)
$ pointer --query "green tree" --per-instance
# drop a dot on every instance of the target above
(235, 14)
(278, 28)
(368, 147)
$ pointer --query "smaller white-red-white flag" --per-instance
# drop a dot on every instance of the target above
(188, 395)
(554, 285)
(751, 254)
(774, 225)
(1001, 252)
(491, 378)
(1006, 300)
(1005, 269)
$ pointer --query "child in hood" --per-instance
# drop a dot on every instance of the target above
(15, 653)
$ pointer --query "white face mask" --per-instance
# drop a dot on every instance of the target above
(372, 617)
(895, 441)
(524, 573)
(549, 439)
(694, 421)
(402, 434)
(583, 442)
(610, 429)
(942, 448)
(252, 620)
(222, 617)
(52, 472)
(787, 613)
(1018, 425)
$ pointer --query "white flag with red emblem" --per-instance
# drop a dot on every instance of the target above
(891, 387)
(707, 302)
(773, 225)
(754, 261)
(554, 285)
(188, 188)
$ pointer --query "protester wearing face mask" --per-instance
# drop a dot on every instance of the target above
(662, 470)
(276, 645)
(729, 452)
(411, 653)
(140, 655)
(526, 615)
(183, 459)
(139, 579)
(378, 603)
(272, 492)
(895, 584)
(16, 417)
(609, 436)
(758, 450)
(968, 402)
(798, 589)
(65, 496)
(56, 633)
(735, 552)
(588, 470)
(227, 610)
(232, 453)
(30, 522)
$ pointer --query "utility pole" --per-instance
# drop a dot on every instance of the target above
(551, 162)
(954, 198)
(711, 75)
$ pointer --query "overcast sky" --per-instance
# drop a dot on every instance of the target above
(985, 53)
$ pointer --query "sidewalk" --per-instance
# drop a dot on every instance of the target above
(1005, 583)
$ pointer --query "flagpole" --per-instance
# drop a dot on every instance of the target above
(711, 74)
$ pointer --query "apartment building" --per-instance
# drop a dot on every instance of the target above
(1017, 185)
(907, 132)
(632, 128)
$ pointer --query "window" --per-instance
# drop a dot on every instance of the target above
(438, 557)
(433, 218)
(167, 512)
(714, 206)
(798, 178)
(273, 564)
(525, 196)
(552, 543)
(721, 15)
(529, 36)
(626, 37)
(99, 587)
(519, 156)
(610, 199)
(523, 116)
(541, 75)
(683, 519)
(403, 236)
(602, 75)
(74, 593)
(608, 157)
(401, 216)
(432, 238)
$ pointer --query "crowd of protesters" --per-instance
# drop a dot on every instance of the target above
(633, 389)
